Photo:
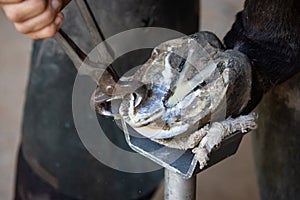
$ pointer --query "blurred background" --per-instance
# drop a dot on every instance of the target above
(232, 179)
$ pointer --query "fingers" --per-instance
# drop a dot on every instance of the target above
(36, 18)
(50, 30)
(10, 1)
(25, 10)
(40, 21)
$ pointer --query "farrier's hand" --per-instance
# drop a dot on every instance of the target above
(36, 18)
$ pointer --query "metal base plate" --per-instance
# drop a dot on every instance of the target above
(181, 162)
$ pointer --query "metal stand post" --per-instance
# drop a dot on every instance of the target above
(178, 188)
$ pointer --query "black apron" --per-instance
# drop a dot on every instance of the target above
(50, 143)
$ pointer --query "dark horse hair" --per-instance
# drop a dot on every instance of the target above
(268, 32)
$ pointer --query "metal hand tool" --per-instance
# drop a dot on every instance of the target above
(103, 73)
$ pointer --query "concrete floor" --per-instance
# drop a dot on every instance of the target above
(232, 179)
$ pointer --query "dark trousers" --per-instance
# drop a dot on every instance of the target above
(29, 186)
